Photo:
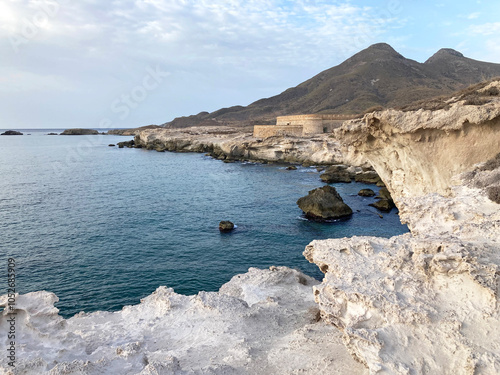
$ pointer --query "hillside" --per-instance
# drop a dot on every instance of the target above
(376, 76)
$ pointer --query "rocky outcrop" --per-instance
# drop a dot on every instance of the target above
(260, 322)
(128, 144)
(366, 193)
(226, 226)
(78, 131)
(425, 302)
(367, 177)
(324, 203)
(336, 173)
(11, 132)
(132, 131)
(225, 143)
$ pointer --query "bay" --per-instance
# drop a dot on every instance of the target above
(103, 227)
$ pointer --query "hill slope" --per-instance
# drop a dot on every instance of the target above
(376, 76)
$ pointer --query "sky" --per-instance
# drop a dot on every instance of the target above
(126, 63)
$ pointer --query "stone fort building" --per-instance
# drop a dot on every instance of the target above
(300, 125)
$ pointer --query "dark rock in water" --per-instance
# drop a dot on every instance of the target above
(226, 226)
(366, 193)
(384, 194)
(128, 144)
(323, 204)
(383, 205)
(370, 177)
(12, 132)
(385, 202)
(380, 184)
(229, 161)
(52, 134)
(111, 145)
(291, 168)
(336, 173)
(78, 131)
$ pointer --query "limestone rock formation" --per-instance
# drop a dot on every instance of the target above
(78, 131)
(227, 143)
(11, 132)
(260, 322)
(324, 203)
(425, 302)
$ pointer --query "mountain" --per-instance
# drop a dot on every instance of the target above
(376, 76)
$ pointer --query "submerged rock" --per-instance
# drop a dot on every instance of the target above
(291, 168)
(323, 204)
(226, 226)
(11, 132)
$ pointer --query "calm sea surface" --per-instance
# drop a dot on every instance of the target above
(102, 227)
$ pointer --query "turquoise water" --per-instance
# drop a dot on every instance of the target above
(102, 227)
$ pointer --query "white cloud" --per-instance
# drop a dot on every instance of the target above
(492, 28)
(252, 44)
(474, 15)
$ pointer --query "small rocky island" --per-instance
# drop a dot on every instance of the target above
(324, 203)
(79, 131)
(11, 132)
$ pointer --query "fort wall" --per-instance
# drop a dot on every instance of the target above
(264, 131)
(299, 125)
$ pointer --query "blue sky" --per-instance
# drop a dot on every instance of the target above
(127, 63)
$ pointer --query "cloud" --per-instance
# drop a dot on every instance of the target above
(101, 48)
(492, 28)
(474, 15)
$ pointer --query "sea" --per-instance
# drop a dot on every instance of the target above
(103, 227)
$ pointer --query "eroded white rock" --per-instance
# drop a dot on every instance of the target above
(261, 322)
(425, 302)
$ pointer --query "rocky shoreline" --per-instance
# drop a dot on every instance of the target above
(427, 302)
(238, 144)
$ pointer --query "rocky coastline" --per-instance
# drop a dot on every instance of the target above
(238, 144)
(427, 302)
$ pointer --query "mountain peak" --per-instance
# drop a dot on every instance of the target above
(379, 51)
(381, 47)
(444, 53)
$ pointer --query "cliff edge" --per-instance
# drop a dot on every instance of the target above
(428, 301)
